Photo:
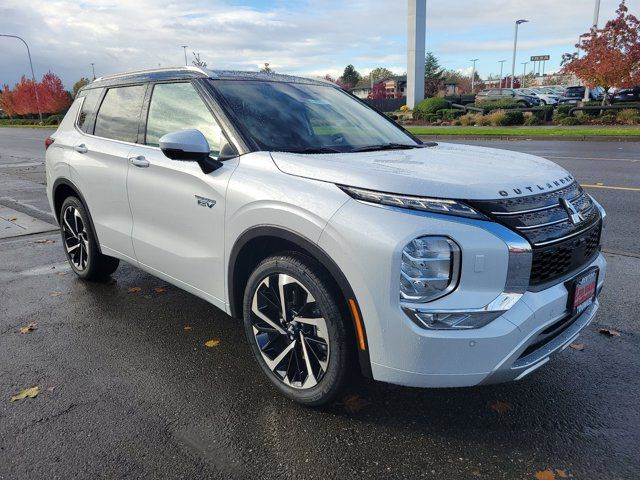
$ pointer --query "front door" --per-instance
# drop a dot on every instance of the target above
(178, 211)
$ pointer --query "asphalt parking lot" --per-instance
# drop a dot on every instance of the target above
(129, 389)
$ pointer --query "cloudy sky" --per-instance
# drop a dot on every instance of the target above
(310, 37)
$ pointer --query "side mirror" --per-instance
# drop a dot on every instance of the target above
(189, 146)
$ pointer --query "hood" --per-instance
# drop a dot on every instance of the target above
(444, 171)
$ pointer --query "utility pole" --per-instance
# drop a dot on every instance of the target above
(416, 31)
(473, 74)
(33, 76)
(515, 46)
(93, 70)
(501, 62)
(185, 54)
(596, 16)
(524, 73)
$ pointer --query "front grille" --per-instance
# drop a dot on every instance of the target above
(559, 245)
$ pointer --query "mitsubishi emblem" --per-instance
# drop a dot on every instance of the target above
(574, 215)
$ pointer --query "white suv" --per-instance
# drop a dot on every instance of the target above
(343, 242)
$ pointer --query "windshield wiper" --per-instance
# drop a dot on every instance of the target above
(385, 146)
(316, 150)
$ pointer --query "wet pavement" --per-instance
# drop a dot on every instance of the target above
(127, 391)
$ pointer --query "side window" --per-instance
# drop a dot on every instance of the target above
(177, 106)
(119, 113)
(89, 106)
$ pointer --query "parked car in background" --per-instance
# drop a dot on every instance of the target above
(626, 95)
(575, 94)
(545, 97)
(513, 94)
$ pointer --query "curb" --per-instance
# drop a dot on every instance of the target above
(573, 138)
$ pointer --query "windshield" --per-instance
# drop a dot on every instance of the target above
(297, 117)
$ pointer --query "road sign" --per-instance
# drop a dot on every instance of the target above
(540, 58)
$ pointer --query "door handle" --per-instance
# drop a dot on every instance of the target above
(139, 161)
(82, 148)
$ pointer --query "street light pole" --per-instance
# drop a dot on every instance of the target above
(515, 45)
(596, 14)
(33, 76)
(93, 70)
(473, 74)
(501, 62)
(185, 54)
(524, 72)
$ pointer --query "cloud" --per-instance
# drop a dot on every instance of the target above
(303, 37)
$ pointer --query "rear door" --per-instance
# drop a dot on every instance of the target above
(100, 167)
(178, 211)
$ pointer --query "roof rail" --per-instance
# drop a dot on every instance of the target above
(154, 70)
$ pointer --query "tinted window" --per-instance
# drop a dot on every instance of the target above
(119, 113)
(89, 106)
(177, 106)
(281, 116)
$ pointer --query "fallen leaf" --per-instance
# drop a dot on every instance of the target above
(13, 219)
(44, 240)
(577, 346)
(609, 332)
(134, 289)
(50, 389)
(27, 392)
(561, 473)
(545, 475)
(159, 289)
(61, 273)
(500, 407)
(212, 343)
(354, 403)
(28, 329)
(188, 328)
(55, 294)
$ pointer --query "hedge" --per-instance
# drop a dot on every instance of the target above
(450, 113)
(491, 105)
(54, 119)
(512, 118)
(429, 106)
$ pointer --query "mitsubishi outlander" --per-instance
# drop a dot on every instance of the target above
(344, 243)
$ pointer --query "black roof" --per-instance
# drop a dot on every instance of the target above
(186, 73)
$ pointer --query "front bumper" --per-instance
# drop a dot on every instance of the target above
(509, 348)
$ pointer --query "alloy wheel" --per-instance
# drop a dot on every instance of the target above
(76, 241)
(290, 331)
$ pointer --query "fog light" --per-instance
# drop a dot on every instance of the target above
(451, 320)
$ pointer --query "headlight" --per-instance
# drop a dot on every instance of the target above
(425, 204)
(430, 269)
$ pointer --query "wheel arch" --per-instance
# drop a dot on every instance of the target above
(64, 188)
(258, 243)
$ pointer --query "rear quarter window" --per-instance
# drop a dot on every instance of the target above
(87, 116)
(119, 114)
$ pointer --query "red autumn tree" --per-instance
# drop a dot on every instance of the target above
(52, 95)
(378, 92)
(24, 97)
(611, 54)
(7, 103)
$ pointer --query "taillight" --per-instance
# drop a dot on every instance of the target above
(48, 142)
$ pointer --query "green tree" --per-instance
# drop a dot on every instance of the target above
(266, 68)
(380, 73)
(350, 77)
(78, 85)
(433, 75)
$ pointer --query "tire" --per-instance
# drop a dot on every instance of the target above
(313, 323)
(524, 104)
(80, 245)
(543, 103)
